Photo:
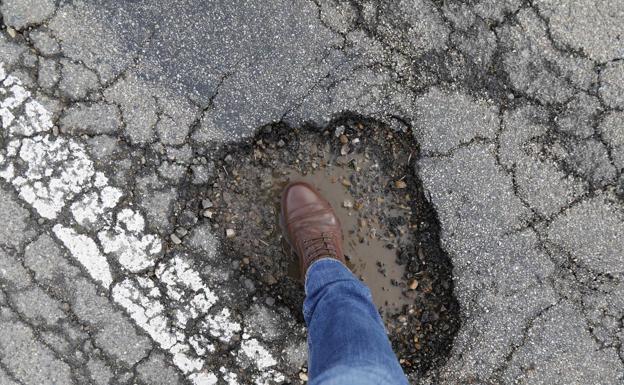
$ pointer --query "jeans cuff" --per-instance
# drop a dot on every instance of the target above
(325, 271)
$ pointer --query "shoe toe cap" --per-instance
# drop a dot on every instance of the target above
(300, 194)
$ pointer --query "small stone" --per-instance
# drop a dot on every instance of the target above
(228, 159)
(413, 284)
(355, 141)
(344, 150)
(400, 184)
(345, 182)
(208, 213)
(281, 143)
(343, 139)
(66, 306)
(207, 203)
(347, 204)
(230, 233)
(175, 239)
(246, 261)
(303, 377)
(339, 130)
(181, 232)
(270, 301)
(29, 60)
(270, 279)
(11, 32)
(187, 218)
(249, 285)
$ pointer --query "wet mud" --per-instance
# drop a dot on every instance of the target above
(367, 172)
(371, 252)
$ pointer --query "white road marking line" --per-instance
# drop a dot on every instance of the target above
(57, 169)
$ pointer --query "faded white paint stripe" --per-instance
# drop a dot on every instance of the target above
(57, 169)
(87, 253)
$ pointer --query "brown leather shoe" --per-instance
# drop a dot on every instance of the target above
(310, 225)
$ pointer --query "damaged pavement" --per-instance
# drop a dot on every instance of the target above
(143, 144)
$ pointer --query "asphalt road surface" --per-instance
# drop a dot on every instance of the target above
(517, 108)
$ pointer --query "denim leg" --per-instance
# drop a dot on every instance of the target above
(347, 341)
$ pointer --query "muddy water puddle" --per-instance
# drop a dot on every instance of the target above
(371, 254)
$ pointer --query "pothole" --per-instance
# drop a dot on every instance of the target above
(366, 170)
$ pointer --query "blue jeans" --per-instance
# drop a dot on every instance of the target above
(347, 341)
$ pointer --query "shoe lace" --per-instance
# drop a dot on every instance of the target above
(320, 246)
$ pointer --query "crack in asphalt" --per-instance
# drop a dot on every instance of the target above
(425, 71)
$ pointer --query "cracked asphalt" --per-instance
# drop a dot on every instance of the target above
(516, 106)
